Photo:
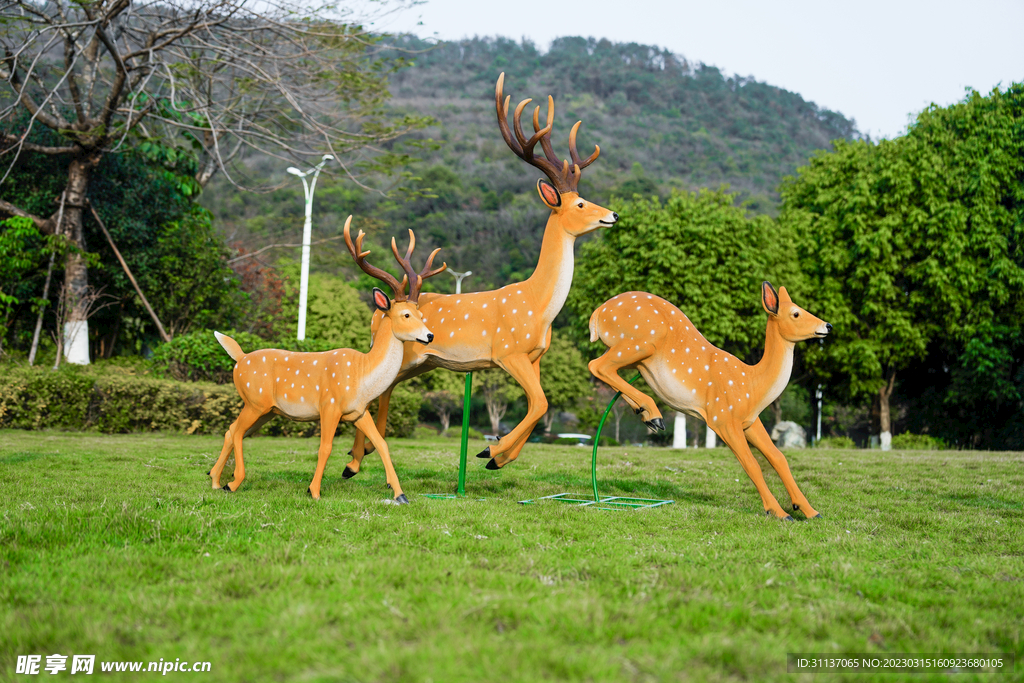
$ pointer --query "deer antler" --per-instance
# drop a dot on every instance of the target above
(564, 177)
(410, 273)
(360, 256)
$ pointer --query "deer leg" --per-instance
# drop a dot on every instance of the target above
(759, 439)
(229, 445)
(513, 452)
(522, 371)
(366, 424)
(733, 436)
(248, 417)
(625, 354)
(329, 420)
(359, 450)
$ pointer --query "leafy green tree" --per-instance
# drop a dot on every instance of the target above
(444, 391)
(915, 243)
(19, 254)
(336, 314)
(498, 389)
(564, 377)
(696, 250)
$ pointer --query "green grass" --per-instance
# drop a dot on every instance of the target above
(116, 546)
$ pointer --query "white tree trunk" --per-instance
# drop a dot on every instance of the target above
(709, 438)
(76, 342)
(679, 436)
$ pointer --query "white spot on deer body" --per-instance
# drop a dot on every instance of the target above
(261, 390)
(484, 333)
(296, 373)
(347, 388)
(504, 300)
(467, 317)
(514, 310)
(248, 362)
(451, 335)
(332, 399)
(620, 353)
(730, 382)
(652, 331)
(690, 370)
(302, 398)
(485, 306)
(529, 313)
(318, 387)
(314, 362)
(246, 384)
(707, 367)
(714, 419)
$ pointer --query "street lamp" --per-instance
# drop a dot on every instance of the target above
(307, 230)
(459, 277)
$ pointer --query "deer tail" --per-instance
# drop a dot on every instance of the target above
(593, 325)
(230, 345)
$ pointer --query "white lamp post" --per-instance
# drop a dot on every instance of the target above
(459, 277)
(307, 230)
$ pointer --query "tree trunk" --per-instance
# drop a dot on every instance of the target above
(549, 419)
(884, 421)
(446, 418)
(76, 272)
(496, 408)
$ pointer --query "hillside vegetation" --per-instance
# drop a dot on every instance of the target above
(661, 122)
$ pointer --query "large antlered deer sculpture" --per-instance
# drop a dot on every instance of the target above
(510, 328)
(646, 332)
(333, 385)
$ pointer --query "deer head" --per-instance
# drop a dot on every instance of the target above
(406, 320)
(560, 192)
(794, 323)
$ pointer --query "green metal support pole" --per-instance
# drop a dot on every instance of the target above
(465, 435)
(597, 440)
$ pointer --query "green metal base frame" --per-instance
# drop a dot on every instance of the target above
(460, 492)
(599, 503)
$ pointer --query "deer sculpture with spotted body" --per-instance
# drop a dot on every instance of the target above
(646, 332)
(510, 328)
(331, 386)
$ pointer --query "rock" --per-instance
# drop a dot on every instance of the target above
(789, 435)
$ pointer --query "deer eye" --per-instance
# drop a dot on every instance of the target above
(406, 315)
(580, 205)
(796, 314)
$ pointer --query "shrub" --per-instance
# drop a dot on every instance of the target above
(79, 399)
(424, 432)
(199, 357)
(917, 442)
(455, 432)
(836, 442)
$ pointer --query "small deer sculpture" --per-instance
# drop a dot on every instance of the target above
(510, 328)
(646, 332)
(333, 385)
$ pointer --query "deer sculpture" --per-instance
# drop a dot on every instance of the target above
(510, 328)
(646, 332)
(333, 385)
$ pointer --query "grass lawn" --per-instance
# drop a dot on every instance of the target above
(116, 546)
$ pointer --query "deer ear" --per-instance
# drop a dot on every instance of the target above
(548, 194)
(381, 300)
(769, 298)
(784, 296)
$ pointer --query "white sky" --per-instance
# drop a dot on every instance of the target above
(874, 61)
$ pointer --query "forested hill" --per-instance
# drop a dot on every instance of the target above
(661, 122)
(687, 124)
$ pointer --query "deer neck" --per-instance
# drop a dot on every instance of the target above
(552, 278)
(385, 357)
(772, 373)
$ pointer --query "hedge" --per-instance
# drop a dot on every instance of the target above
(78, 399)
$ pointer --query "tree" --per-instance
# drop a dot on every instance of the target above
(698, 251)
(336, 314)
(18, 258)
(499, 389)
(213, 77)
(444, 391)
(914, 243)
(564, 376)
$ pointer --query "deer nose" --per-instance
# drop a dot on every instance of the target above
(615, 216)
(430, 336)
(828, 326)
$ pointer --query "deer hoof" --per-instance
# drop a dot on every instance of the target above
(388, 486)
(818, 516)
(657, 423)
(637, 411)
(310, 492)
(485, 453)
(208, 473)
(226, 487)
(402, 500)
(788, 518)
(349, 472)
(492, 464)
